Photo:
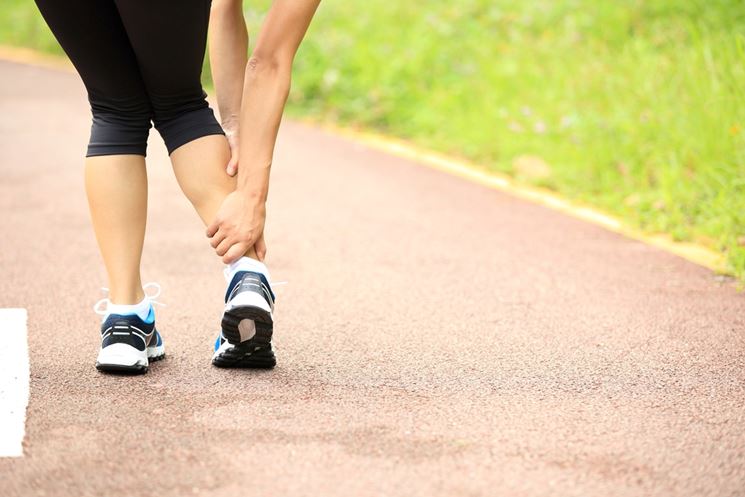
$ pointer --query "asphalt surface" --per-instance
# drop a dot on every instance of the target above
(436, 338)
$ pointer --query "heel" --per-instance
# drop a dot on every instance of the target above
(248, 324)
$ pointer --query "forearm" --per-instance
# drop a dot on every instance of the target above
(228, 47)
(265, 90)
(266, 86)
(239, 224)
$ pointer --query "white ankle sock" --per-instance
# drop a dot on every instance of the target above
(246, 264)
(142, 309)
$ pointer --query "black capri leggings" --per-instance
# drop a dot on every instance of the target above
(141, 61)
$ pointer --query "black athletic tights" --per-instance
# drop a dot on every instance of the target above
(141, 61)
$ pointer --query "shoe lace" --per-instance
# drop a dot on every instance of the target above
(151, 298)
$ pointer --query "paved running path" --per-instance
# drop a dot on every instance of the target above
(436, 338)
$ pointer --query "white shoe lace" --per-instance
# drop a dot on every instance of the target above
(151, 298)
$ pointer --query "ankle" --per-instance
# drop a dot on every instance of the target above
(142, 309)
(126, 296)
(246, 264)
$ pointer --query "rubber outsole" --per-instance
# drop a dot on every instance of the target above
(157, 358)
(261, 318)
(128, 370)
(245, 355)
(119, 369)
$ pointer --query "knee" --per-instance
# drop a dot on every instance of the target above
(181, 118)
(120, 125)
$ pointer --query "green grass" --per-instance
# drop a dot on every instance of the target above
(636, 106)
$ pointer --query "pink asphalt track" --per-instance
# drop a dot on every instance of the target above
(436, 338)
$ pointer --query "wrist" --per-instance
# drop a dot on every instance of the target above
(256, 197)
(230, 123)
(253, 179)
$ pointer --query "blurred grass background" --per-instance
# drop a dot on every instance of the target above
(634, 106)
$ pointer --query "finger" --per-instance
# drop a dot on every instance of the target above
(260, 247)
(223, 247)
(212, 228)
(217, 238)
(235, 253)
(233, 165)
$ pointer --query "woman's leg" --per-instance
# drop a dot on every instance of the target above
(117, 195)
(92, 35)
(169, 39)
(200, 171)
(170, 42)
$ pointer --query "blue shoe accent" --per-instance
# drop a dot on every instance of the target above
(150, 319)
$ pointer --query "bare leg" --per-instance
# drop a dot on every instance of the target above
(117, 196)
(200, 171)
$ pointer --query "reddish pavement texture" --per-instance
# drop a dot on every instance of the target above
(436, 338)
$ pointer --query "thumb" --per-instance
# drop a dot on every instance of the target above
(260, 247)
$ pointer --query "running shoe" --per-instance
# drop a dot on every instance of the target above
(247, 323)
(129, 344)
(249, 302)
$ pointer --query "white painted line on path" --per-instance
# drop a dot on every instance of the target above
(14, 377)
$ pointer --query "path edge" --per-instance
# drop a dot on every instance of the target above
(475, 173)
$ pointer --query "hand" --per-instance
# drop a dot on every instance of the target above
(231, 133)
(238, 226)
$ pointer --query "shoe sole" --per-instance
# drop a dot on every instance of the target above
(247, 356)
(154, 354)
(122, 369)
(262, 319)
